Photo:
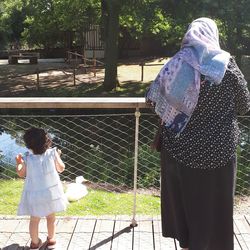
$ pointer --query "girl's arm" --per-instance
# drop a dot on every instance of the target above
(20, 166)
(60, 166)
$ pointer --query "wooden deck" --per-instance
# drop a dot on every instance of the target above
(105, 233)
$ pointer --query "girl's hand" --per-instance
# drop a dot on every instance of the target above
(59, 151)
(19, 159)
(60, 166)
(20, 166)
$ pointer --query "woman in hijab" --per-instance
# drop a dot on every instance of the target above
(197, 95)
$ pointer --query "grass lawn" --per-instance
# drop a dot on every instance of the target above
(95, 203)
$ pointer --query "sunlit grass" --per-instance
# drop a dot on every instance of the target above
(95, 203)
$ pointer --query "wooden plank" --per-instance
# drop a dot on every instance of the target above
(242, 225)
(73, 102)
(243, 228)
(8, 225)
(83, 234)
(143, 235)
(241, 241)
(123, 234)
(13, 240)
(65, 228)
(247, 217)
(103, 234)
(23, 226)
(18, 239)
(241, 233)
(76, 233)
(236, 243)
(4, 237)
(66, 225)
(160, 241)
(63, 240)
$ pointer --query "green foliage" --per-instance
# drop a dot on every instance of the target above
(51, 23)
(149, 168)
(147, 21)
(119, 169)
(43, 22)
(48, 20)
(12, 16)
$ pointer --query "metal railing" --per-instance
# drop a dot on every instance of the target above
(107, 141)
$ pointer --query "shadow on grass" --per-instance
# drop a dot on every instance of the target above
(126, 89)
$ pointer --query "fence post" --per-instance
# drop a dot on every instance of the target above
(74, 75)
(137, 117)
(84, 57)
(70, 57)
(37, 79)
(75, 63)
(142, 70)
(94, 67)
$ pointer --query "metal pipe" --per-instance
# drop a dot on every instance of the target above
(137, 117)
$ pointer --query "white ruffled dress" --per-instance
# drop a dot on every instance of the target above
(43, 191)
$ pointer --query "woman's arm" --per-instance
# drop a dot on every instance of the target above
(20, 166)
(60, 166)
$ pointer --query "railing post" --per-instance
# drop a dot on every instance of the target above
(137, 117)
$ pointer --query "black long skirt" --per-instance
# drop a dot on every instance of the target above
(197, 204)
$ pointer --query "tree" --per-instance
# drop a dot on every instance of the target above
(236, 20)
(110, 20)
(151, 21)
(232, 16)
(12, 20)
(50, 21)
(111, 14)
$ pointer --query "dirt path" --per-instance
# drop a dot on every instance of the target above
(21, 79)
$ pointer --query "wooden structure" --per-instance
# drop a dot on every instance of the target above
(143, 64)
(106, 232)
(73, 102)
(81, 62)
(31, 56)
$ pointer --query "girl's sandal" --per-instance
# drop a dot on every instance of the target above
(37, 246)
(50, 244)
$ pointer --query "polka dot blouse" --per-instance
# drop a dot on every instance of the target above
(212, 134)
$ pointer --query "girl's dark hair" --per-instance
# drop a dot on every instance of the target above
(37, 140)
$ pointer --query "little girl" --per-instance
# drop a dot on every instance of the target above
(43, 192)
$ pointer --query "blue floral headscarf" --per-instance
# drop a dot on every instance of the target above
(175, 91)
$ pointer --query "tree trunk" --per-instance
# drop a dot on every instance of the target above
(110, 15)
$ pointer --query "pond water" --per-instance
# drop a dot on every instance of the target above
(9, 148)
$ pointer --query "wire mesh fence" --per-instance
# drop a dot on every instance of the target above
(99, 146)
